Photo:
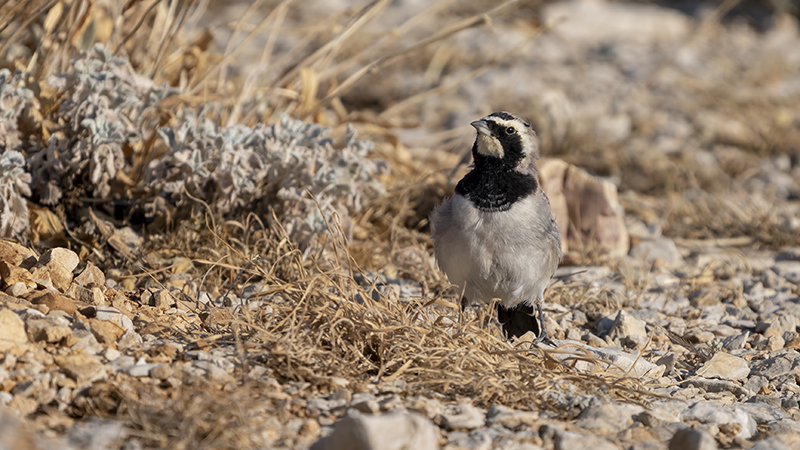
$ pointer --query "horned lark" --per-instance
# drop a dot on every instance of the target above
(496, 237)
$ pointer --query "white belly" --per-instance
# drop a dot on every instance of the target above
(510, 255)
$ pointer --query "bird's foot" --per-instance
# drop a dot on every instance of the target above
(543, 338)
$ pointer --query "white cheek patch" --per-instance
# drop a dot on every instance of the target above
(489, 146)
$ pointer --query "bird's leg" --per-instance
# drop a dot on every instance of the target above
(542, 337)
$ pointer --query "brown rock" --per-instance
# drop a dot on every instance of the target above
(11, 273)
(55, 301)
(587, 210)
(91, 296)
(23, 405)
(162, 300)
(41, 276)
(106, 332)
(60, 263)
(12, 330)
(86, 373)
(90, 277)
(13, 253)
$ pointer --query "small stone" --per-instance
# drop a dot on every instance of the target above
(17, 289)
(467, 417)
(60, 262)
(114, 315)
(13, 253)
(691, 439)
(659, 249)
(627, 326)
(608, 418)
(388, 431)
(129, 339)
(772, 343)
(726, 367)
(90, 277)
(668, 361)
(777, 325)
(735, 342)
(162, 300)
(106, 332)
(111, 354)
(55, 301)
(12, 274)
(48, 329)
(12, 329)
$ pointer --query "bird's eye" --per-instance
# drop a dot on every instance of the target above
(511, 130)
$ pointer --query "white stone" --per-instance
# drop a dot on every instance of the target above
(385, 432)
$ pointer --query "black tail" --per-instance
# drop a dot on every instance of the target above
(517, 321)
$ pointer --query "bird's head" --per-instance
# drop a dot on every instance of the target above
(505, 140)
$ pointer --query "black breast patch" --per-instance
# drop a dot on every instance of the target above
(494, 189)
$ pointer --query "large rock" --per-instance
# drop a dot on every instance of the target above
(386, 432)
(586, 208)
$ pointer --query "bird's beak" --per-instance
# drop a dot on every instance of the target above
(482, 127)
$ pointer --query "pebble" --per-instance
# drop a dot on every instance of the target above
(465, 416)
(726, 367)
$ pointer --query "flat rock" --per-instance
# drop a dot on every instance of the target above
(55, 301)
(385, 432)
(726, 367)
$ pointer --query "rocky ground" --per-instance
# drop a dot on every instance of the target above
(673, 168)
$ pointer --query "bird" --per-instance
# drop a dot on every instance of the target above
(496, 237)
